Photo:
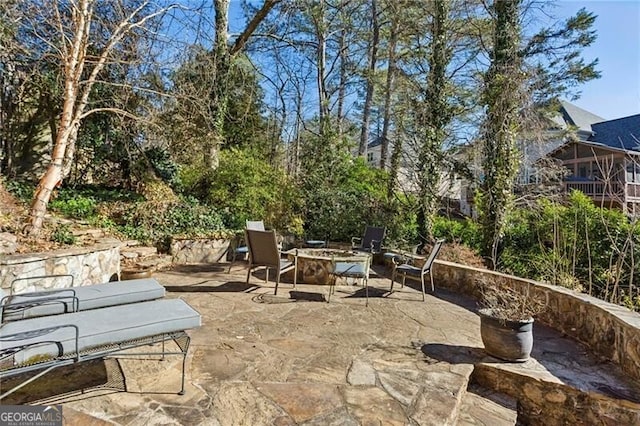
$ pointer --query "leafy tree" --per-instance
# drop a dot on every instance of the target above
(437, 116)
(245, 187)
(189, 118)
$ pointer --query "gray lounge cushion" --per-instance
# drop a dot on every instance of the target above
(89, 297)
(99, 327)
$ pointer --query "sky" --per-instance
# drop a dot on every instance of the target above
(617, 93)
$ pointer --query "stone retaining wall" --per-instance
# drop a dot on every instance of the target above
(87, 265)
(199, 251)
(609, 330)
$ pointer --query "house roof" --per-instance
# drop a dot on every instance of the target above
(376, 142)
(576, 116)
(591, 144)
(622, 133)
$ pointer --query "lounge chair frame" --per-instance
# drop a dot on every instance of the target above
(68, 299)
(181, 339)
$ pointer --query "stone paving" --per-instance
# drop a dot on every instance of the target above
(293, 359)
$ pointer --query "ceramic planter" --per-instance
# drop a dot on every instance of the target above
(508, 340)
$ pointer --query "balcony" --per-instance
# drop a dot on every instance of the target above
(606, 190)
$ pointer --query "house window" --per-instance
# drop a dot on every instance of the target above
(584, 170)
(596, 174)
(370, 157)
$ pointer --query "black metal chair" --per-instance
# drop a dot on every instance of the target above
(406, 269)
(371, 241)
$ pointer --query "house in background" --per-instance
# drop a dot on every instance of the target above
(605, 164)
(601, 157)
(569, 121)
(448, 189)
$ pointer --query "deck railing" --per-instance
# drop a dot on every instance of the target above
(596, 188)
(605, 189)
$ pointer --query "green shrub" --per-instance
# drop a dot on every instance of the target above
(576, 245)
(62, 234)
(244, 187)
(465, 231)
(162, 164)
(22, 190)
(77, 207)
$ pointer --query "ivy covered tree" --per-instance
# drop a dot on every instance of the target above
(438, 113)
(501, 96)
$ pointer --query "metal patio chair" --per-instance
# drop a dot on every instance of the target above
(407, 269)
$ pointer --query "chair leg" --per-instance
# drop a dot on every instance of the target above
(233, 258)
(332, 283)
(277, 281)
(433, 290)
(248, 273)
(422, 282)
(404, 277)
(366, 292)
(393, 277)
(266, 275)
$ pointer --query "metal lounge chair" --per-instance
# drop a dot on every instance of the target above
(371, 241)
(263, 251)
(408, 270)
(72, 299)
(40, 345)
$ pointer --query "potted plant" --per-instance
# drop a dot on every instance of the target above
(506, 321)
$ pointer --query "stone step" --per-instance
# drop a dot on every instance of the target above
(88, 233)
(562, 383)
(482, 406)
(156, 262)
(138, 252)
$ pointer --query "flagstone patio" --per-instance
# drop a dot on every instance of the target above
(294, 359)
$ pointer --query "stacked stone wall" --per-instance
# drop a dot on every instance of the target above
(609, 330)
(87, 265)
(203, 250)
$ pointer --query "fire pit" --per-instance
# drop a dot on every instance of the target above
(314, 265)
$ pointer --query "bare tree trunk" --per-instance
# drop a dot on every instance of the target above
(321, 63)
(69, 121)
(391, 73)
(373, 59)
(74, 42)
(343, 78)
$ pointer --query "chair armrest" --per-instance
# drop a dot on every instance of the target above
(356, 241)
(51, 297)
(376, 246)
(39, 277)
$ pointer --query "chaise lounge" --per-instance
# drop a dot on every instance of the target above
(58, 301)
(43, 344)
